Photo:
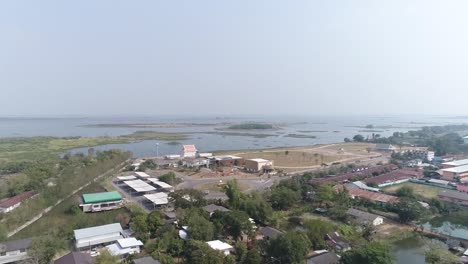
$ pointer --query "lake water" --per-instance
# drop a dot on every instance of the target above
(411, 250)
(450, 229)
(325, 129)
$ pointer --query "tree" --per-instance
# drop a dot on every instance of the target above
(199, 252)
(288, 248)
(241, 250)
(169, 178)
(252, 257)
(200, 228)
(43, 249)
(140, 226)
(358, 138)
(234, 223)
(405, 191)
(408, 210)
(373, 252)
(257, 207)
(282, 197)
(437, 255)
(347, 140)
(234, 193)
(154, 221)
(317, 230)
(105, 258)
(325, 193)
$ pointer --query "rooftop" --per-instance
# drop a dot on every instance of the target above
(270, 232)
(129, 242)
(140, 186)
(219, 245)
(378, 197)
(160, 183)
(456, 162)
(97, 231)
(75, 258)
(157, 198)
(259, 160)
(101, 197)
(459, 169)
(9, 202)
(211, 208)
(361, 214)
(324, 258)
(190, 148)
(141, 174)
(454, 195)
(8, 246)
(146, 260)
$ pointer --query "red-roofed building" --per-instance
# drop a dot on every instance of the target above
(356, 193)
(462, 188)
(189, 151)
(10, 204)
(395, 177)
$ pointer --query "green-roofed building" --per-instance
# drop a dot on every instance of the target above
(96, 202)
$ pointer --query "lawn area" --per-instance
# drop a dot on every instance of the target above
(61, 222)
(353, 147)
(425, 191)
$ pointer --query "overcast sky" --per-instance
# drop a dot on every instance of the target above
(233, 57)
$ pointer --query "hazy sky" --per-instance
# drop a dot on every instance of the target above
(233, 57)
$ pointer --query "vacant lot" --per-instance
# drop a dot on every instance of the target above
(293, 158)
(216, 187)
(419, 189)
(61, 220)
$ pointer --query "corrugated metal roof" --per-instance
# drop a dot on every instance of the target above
(101, 197)
(458, 169)
(456, 162)
(97, 231)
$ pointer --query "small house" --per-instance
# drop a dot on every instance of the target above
(189, 151)
(267, 232)
(10, 204)
(14, 251)
(212, 208)
(75, 258)
(385, 147)
(125, 247)
(365, 217)
(103, 201)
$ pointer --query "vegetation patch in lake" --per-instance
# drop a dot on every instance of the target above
(251, 126)
(300, 136)
(459, 218)
(312, 131)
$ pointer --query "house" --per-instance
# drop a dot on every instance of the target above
(459, 198)
(226, 160)
(268, 233)
(454, 173)
(218, 245)
(10, 204)
(146, 260)
(14, 251)
(323, 257)
(125, 247)
(211, 208)
(367, 171)
(365, 217)
(196, 162)
(88, 238)
(385, 147)
(258, 165)
(75, 258)
(338, 242)
(103, 201)
(189, 151)
(170, 217)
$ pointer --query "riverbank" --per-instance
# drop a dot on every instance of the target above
(33, 148)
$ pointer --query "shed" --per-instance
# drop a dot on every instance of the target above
(365, 217)
(97, 235)
(218, 245)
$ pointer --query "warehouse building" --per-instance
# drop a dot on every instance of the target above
(258, 165)
(454, 173)
(88, 238)
(103, 201)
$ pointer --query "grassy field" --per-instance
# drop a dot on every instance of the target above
(419, 189)
(61, 222)
(30, 148)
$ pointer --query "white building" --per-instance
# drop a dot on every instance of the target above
(125, 247)
(189, 151)
(256, 165)
(88, 238)
(13, 251)
(218, 245)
